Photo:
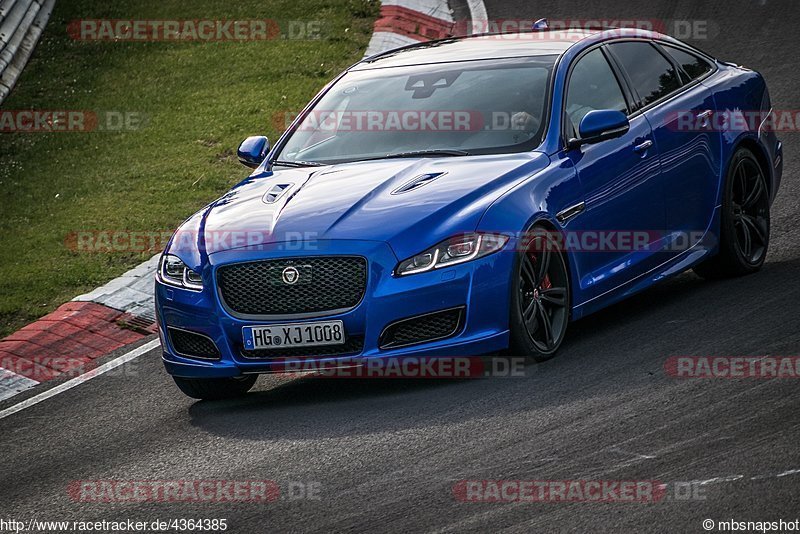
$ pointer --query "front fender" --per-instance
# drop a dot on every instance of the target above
(538, 198)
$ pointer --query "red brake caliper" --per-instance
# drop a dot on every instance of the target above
(546, 284)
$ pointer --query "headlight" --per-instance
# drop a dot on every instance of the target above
(453, 251)
(174, 272)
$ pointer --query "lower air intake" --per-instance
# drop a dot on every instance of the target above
(193, 345)
(422, 329)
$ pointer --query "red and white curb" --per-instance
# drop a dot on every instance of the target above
(65, 343)
(68, 342)
(404, 22)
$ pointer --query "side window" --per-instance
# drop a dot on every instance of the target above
(650, 73)
(691, 64)
(592, 85)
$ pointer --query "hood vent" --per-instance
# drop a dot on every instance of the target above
(276, 192)
(416, 183)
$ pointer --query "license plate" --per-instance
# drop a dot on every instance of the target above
(293, 335)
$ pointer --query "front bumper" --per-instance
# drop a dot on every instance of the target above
(481, 286)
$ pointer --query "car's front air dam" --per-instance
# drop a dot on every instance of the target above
(480, 287)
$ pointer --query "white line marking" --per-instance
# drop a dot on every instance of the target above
(636, 454)
(789, 472)
(78, 380)
(717, 480)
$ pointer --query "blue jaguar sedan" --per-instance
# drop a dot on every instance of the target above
(468, 196)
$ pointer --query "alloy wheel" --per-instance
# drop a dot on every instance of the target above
(750, 208)
(544, 296)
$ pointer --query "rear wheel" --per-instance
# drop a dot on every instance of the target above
(745, 225)
(215, 388)
(540, 301)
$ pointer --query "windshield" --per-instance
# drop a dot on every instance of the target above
(470, 107)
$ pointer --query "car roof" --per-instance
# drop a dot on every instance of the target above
(501, 46)
(485, 46)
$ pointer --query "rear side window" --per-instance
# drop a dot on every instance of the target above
(651, 74)
(592, 86)
(694, 66)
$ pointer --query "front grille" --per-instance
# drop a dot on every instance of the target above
(352, 346)
(323, 284)
(429, 327)
(192, 345)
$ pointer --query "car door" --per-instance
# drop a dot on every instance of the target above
(666, 82)
(615, 238)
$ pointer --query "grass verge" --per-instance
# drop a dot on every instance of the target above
(196, 101)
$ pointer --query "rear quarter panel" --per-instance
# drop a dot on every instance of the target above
(742, 103)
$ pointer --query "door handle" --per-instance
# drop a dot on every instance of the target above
(643, 147)
(703, 117)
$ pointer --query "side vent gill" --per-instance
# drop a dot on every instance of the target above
(417, 182)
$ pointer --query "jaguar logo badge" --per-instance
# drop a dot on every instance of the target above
(290, 275)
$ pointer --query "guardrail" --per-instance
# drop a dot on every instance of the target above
(21, 26)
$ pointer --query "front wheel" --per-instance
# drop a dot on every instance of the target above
(745, 225)
(540, 300)
(215, 388)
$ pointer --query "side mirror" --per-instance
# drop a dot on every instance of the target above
(600, 125)
(253, 150)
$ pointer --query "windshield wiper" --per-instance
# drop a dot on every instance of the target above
(297, 163)
(418, 154)
(396, 155)
(422, 153)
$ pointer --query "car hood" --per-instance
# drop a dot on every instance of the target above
(359, 201)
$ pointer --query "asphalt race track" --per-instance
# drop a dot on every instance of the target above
(385, 454)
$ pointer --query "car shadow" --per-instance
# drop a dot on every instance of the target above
(621, 348)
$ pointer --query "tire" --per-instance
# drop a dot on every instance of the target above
(540, 297)
(215, 388)
(745, 224)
